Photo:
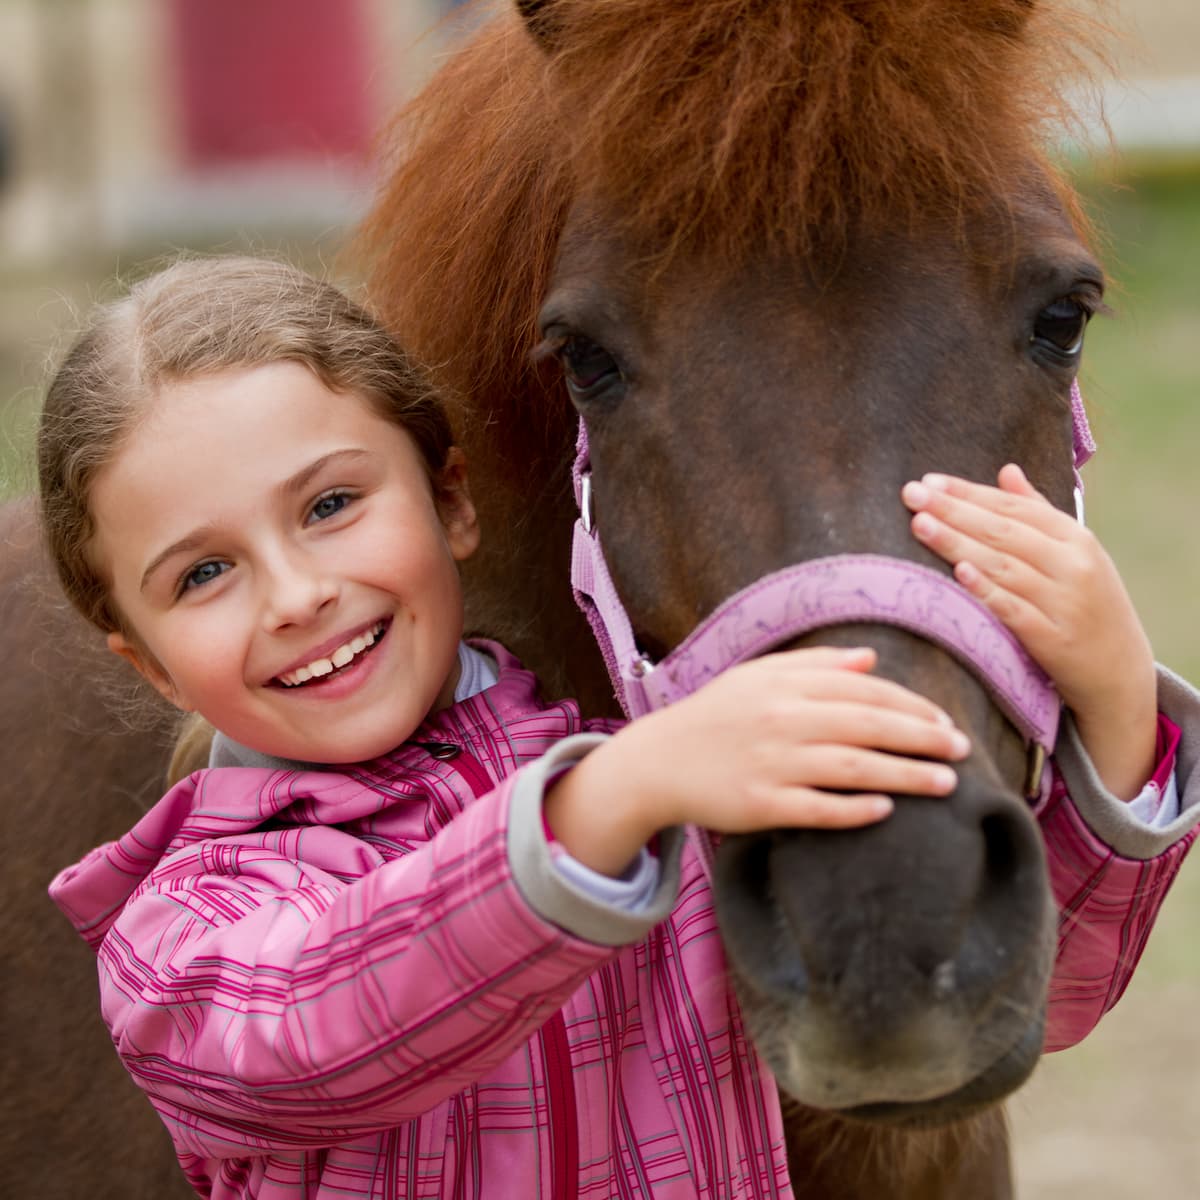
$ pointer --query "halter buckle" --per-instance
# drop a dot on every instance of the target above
(585, 500)
(1033, 776)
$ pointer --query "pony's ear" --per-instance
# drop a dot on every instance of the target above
(537, 16)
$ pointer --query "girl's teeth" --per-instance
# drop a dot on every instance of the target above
(339, 658)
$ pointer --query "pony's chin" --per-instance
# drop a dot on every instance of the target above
(1003, 1077)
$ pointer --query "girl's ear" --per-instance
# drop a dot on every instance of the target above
(143, 663)
(457, 512)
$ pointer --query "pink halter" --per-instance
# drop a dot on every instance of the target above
(823, 591)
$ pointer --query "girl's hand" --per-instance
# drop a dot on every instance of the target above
(802, 738)
(1051, 582)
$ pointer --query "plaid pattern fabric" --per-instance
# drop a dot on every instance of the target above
(331, 986)
(1107, 905)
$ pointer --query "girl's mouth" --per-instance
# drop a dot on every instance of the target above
(321, 669)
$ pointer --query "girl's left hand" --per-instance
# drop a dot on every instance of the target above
(1048, 579)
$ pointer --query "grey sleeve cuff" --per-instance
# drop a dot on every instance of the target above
(1110, 819)
(547, 890)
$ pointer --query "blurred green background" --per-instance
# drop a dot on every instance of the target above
(1117, 1116)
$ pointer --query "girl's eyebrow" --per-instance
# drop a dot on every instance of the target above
(303, 477)
(290, 486)
(192, 541)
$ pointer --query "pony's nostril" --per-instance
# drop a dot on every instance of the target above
(746, 901)
(1001, 849)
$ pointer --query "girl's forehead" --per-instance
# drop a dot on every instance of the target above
(274, 402)
(213, 444)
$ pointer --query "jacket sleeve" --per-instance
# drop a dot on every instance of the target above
(559, 895)
(266, 1000)
(1109, 871)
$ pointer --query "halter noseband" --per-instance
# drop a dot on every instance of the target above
(835, 590)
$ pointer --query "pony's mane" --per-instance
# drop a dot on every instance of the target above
(738, 125)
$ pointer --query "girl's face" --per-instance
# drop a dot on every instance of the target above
(278, 551)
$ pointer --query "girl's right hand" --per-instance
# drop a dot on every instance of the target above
(802, 738)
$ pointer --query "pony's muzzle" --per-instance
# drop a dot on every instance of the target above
(902, 964)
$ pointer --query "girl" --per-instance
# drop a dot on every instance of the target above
(417, 954)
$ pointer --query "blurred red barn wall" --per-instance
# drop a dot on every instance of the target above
(273, 79)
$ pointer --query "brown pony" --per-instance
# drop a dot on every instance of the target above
(783, 255)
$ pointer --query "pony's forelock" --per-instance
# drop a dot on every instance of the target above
(739, 125)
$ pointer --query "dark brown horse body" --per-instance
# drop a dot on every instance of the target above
(778, 288)
(73, 1124)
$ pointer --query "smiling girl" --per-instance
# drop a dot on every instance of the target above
(401, 943)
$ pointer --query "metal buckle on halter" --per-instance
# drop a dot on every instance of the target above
(641, 666)
(585, 500)
(1033, 776)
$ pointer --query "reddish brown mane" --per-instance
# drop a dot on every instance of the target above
(817, 115)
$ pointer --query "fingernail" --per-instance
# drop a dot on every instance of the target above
(966, 573)
(944, 718)
(960, 743)
(937, 482)
(914, 493)
(923, 525)
(945, 777)
(881, 806)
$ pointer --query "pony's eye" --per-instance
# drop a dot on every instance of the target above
(587, 366)
(1060, 326)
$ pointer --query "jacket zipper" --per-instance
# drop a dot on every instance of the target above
(556, 1054)
(564, 1118)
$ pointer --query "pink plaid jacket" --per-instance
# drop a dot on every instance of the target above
(334, 984)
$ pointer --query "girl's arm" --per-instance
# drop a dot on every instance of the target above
(284, 988)
(1109, 869)
(1131, 732)
(804, 738)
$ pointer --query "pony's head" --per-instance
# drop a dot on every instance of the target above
(781, 256)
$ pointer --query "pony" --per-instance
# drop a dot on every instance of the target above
(776, 258)
(781, 256)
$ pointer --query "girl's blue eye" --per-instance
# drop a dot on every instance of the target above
(206, 572)
(329, 506)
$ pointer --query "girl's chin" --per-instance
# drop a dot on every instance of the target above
(329, 750)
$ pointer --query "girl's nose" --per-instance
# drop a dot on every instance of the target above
(296, 591)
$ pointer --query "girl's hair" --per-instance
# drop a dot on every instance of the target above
(196, 317)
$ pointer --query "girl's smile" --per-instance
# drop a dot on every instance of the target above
(283, 565)
(335, 658)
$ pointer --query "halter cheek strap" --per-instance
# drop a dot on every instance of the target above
(811, 595)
